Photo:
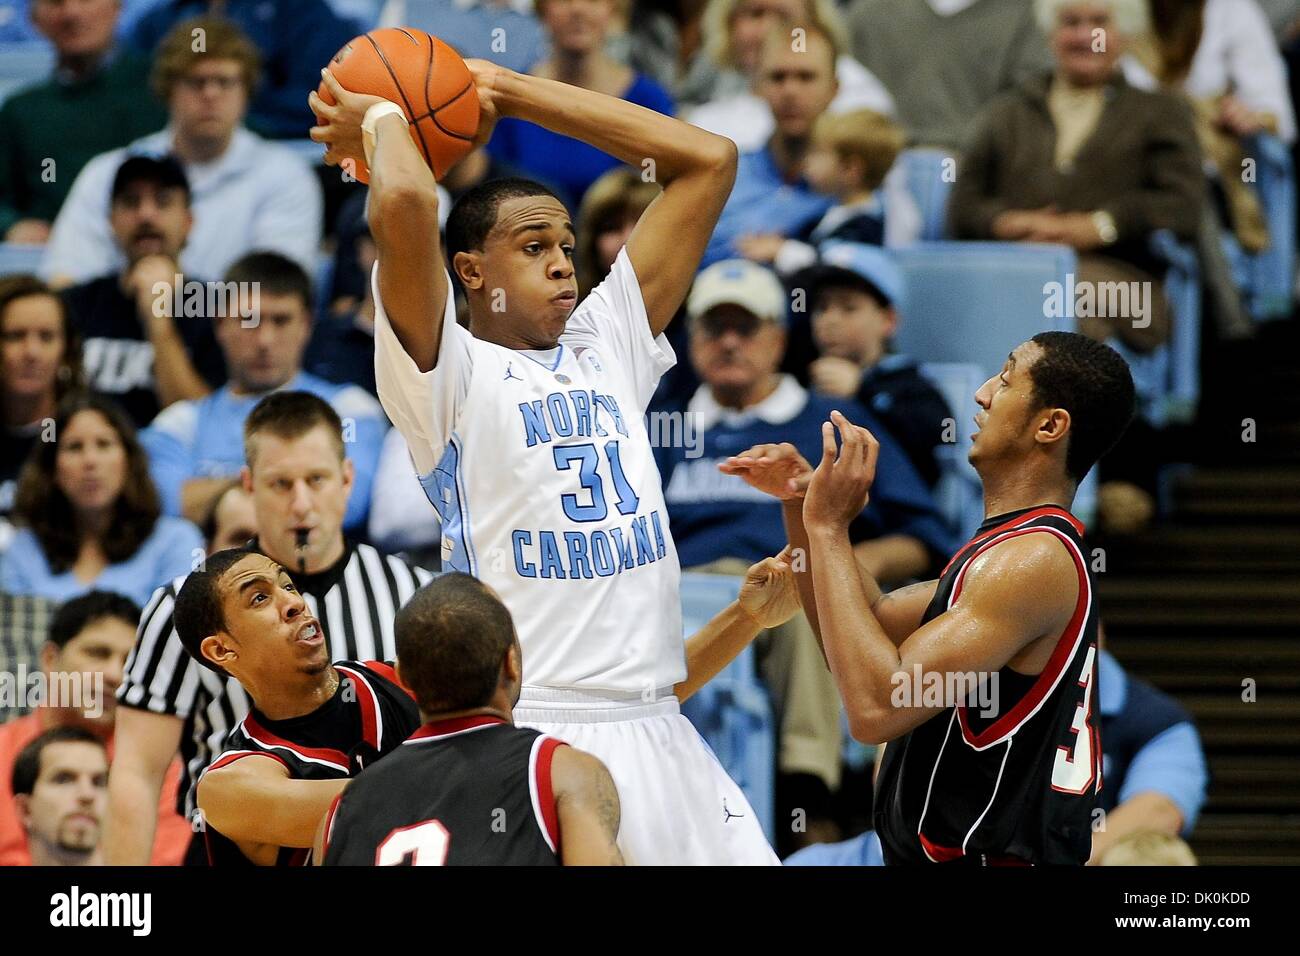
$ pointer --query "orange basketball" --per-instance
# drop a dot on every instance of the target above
(422, 75)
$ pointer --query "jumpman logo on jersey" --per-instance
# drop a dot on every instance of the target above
(729, 814)
(510, 373)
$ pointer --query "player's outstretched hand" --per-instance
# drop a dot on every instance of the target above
(769, 594)
(485, 74)
(777, 470)
(340, 131)
(841, 484)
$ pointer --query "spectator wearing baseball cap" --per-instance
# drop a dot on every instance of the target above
(736, 314)
(854, 293)
(135, 350)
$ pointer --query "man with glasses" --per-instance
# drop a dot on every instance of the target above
(247, 194)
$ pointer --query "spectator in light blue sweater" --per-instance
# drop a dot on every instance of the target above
(89, 516)
(196, 447)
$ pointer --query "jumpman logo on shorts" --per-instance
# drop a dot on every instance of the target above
(729, 814)
(510, 373)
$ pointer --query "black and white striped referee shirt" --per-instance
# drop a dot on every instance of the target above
(355, 600)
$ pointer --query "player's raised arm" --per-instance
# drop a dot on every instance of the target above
(768, 598)
(695, 168)
(402, 210)
(254, 802)
(586, 802)
(1019, 591)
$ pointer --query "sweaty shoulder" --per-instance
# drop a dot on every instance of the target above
(1036, 572)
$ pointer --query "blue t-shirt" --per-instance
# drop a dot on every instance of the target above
(566, 163)
(172, 549)
(762, 201)
(714, 515)
(205, 439)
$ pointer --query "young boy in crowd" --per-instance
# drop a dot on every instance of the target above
(853, 294)
(848, 158)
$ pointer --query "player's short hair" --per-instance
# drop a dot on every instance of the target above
(180, 51)
(290, 415)
(199, 612)
(76, 615)
(865, 135)
(273, 273)
(451, 639)
(1091, 381)
(27, 768)
(474, 214)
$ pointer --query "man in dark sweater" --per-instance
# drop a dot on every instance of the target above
(137, 347)
(98, 99)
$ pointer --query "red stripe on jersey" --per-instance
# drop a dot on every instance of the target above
(940, 854)
(1065, 648)
(264, 737)
(230, 756)
(388, 672)
(369, 704)
(1015, 522)
(546, 791)
(456, 725)
(329, 825)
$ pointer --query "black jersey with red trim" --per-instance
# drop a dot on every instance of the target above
(368, 717)
(468, 791)
(1015, 782)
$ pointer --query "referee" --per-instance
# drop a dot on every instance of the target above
(299, 479)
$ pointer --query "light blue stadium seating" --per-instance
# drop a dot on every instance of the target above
(24, 63)
(929, 181)
(959, 493)
(1267, 279)
(973, 302)
(732, 712)
(17, 257)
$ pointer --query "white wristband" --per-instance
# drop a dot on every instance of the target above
(373, 115)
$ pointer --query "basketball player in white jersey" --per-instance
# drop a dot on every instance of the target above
(527, 430)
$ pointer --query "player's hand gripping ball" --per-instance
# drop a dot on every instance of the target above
(422, 75)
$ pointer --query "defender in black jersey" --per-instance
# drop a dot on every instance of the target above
(312, 724)
(469, 787)
(982, 684)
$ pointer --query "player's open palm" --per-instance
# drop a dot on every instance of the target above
(340, 129)
(840, 486)
(769, 594)
(777, 470)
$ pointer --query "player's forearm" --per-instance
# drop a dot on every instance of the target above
(631, 133)
(715, 646)
(255, 809)
(133, 793)
(403, 200)
(858, 650)
(1142, 811)
(801, 562)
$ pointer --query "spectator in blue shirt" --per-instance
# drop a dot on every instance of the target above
(503, 31)
(1154, 777)
(89, 514)
(771, 195)
(246, 193)
(295, 38)
(195, 447)
(577, 31)
(736, 311)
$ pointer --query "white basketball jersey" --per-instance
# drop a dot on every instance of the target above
(541, 469)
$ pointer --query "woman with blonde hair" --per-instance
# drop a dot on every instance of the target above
(609, 210)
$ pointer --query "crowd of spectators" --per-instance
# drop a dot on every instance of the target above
(160, 168)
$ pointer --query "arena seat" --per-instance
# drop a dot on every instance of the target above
(929, 182)
(732, 712)
(1267, 279)
(18, 257)
(22, 64)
